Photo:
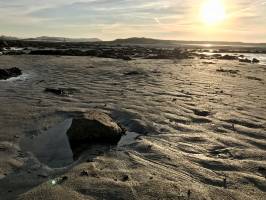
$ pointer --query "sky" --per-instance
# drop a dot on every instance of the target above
(110, 19)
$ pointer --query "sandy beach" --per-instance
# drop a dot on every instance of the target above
(196, 129)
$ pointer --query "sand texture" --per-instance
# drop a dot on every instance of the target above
(196, 129)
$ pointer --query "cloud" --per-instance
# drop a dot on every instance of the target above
(123, 18)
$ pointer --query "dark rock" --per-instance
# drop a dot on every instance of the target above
(94, 127)
(127, 58)
(125, 178)
(3, 43)
(231, 71)
(84, 173)
(262, 169)
(228, 57)
(245, 60)
(132, 73)
(202, 113)
(59, 92)
(255, 60)
(254, 78)
(8, 73)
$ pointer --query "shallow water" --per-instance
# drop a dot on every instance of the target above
(261, 57)
(51, 147)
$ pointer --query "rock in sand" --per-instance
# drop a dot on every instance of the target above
(255, 60)
(8, 73)
(94, 128)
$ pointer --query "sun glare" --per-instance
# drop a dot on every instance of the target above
(213, 12)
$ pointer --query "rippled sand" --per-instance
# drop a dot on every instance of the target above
(202, 131)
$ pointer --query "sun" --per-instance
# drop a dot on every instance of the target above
(213, 12)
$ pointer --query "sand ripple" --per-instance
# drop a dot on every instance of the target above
(200, 129)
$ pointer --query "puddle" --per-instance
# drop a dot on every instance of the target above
(53, 148)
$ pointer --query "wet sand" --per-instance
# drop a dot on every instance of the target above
(196, 130)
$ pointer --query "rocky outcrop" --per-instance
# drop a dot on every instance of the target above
(8, 73)
(94, 128)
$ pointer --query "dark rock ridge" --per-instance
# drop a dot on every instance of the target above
(94, 127)
(9, 73)
(124, 53)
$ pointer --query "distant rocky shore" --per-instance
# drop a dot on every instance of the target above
(125, 51)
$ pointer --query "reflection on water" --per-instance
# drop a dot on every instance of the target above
(51, 147)
(261, 57)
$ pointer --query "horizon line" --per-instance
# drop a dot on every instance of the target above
(124, 38)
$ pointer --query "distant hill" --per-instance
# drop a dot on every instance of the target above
(46, 41)
(150, 41)
(136, 40)
(3, 37)
(62, 39)
(51, 39)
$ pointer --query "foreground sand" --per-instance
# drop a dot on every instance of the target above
(202, 128)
